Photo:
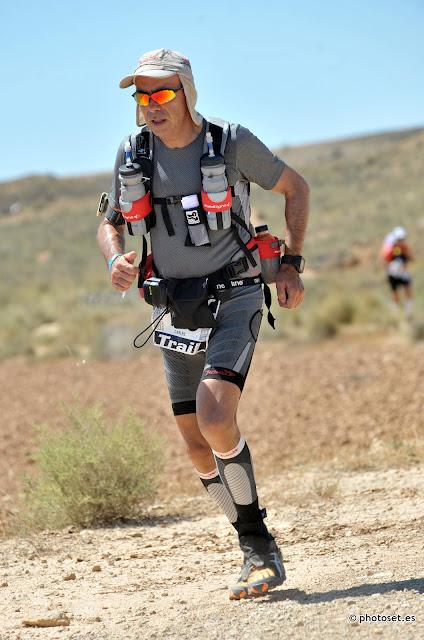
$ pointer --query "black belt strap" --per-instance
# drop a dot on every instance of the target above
(233, 283)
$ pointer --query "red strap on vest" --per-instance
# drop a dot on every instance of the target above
(252, 244)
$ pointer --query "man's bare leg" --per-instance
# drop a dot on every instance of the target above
(204, 462)
(217, 402)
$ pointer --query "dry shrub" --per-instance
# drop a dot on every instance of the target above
(416, 331)
(93, 473)
(326, 489)
(326, 318)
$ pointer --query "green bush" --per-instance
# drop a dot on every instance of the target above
(93, 473)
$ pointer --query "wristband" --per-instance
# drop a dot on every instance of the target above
(113, 258)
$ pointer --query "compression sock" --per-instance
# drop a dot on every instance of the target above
(236, 471)
(218, 492)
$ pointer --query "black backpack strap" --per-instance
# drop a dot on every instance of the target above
(142, 263)
(141, 143)
(217, 136)
(249, 247)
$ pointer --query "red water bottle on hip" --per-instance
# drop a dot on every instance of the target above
(269, 252)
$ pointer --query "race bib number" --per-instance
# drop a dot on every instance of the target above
(185, 341)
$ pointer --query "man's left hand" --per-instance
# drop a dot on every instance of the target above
(290, 291)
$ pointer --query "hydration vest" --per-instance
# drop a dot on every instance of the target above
(142, 152)
(141, 147)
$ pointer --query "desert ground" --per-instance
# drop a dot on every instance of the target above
(336, 434)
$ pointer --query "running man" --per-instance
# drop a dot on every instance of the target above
(190, 241)
(396, 255)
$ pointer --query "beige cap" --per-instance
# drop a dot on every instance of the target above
(163, 63)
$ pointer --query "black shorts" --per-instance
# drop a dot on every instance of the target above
(395, 283)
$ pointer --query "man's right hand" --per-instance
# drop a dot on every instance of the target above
(124, 272)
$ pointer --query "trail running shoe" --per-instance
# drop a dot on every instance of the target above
(262, 567)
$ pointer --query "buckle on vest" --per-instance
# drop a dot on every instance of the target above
(234, 269)
(172, 200)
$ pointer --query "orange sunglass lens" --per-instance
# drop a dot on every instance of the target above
(161, 97)
(143, 99)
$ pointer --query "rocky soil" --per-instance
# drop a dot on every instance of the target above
(356, 553)
(336, 435)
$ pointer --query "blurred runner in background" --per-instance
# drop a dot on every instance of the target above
(396, 254)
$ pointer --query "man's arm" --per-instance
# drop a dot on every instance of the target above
(111, 240)
(296, 191)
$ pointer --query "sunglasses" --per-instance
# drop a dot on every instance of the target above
(160, 97)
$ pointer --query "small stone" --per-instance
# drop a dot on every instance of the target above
(70, 576)
(97, 619)
(96, 567)
(133, 555)
(4, 584)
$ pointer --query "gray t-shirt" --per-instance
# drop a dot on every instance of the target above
(177, 173)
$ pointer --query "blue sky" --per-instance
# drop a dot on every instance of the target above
(293, 72)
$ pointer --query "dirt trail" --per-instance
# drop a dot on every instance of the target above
(352, 539)
(358, 553)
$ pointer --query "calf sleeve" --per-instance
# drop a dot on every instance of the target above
(218, 491)
(236, 470)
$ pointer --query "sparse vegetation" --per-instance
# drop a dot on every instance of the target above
(93, 473)
(52, 272)
(326, 489)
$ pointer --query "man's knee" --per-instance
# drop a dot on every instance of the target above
(216, 406)
(198, 448)
(194, 440)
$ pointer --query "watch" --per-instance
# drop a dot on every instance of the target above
(297, 261)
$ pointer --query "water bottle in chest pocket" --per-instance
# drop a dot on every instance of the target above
(135, 200)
